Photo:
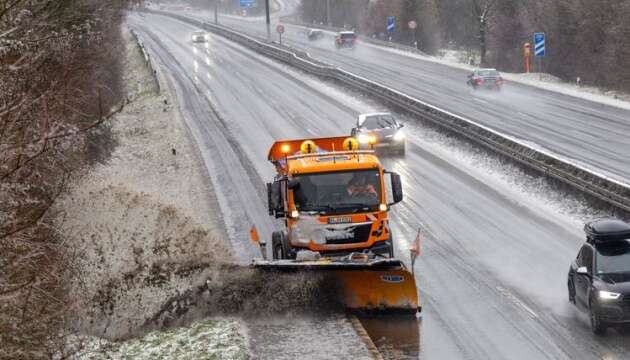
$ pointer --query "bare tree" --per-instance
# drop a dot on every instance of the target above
(58, 81)
(483, 11)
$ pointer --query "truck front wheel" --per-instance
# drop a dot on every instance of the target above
(279, 245)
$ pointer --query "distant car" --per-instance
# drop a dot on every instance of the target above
(485, 79)
(379, 131)
(199, 37)
(315, 34)
(345, 39)
(599, 278)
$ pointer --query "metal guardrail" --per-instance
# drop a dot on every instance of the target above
(148, 60)
(598, 185)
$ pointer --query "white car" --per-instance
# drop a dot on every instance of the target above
(199, 37)
(379, 131)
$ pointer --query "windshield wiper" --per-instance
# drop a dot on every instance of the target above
(354, 206)
(317, 208)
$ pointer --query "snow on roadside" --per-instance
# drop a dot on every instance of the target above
(207, 339)
(143, 225)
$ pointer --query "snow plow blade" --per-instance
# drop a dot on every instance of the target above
(383, 285)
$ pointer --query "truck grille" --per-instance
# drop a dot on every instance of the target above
(361, 234)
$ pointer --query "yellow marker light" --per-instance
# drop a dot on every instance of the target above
(295, 214)
(350, 144)
(372, 139)
(382, 207)
(285, 148)
(308, 147)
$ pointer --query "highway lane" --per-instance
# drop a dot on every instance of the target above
(493, 271)
(586, 132)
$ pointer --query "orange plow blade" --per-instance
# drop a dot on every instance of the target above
(383, 285)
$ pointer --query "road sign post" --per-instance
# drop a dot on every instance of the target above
(539, 50)
(280, 31)
(390, 26)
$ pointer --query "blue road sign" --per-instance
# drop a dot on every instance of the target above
(390, 24)
(248, 3)
(539, 44)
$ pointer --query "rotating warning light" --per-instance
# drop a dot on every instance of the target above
(285, 148)
(308, 147)
(350, 144)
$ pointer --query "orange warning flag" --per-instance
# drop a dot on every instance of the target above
(415, 250)
(253, 234)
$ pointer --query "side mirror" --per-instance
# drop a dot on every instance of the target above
(397, 193)
(275, 202)
(582, 270)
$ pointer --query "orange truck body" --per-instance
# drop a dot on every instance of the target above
(292, 159)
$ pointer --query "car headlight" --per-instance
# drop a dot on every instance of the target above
(607, 295)
(399, 136)
(363, 139)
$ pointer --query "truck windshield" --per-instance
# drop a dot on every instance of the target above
(338, 192)
(614, 258)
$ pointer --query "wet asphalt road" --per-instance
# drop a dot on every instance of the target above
(493, 271)
(588, 133)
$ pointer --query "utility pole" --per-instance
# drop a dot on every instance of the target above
(268, 20)
(216, 11)
(328, 20)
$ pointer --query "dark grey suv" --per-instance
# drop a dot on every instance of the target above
(599, 278)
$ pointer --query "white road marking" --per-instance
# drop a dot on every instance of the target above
(480, 100)
(516, 301)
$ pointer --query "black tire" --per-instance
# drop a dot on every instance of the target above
(401, 150)
(391, 246)
(597, 325)
(571, 292)
(278, 245)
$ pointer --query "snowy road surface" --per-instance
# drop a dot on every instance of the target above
(591, 134)
(493, 271)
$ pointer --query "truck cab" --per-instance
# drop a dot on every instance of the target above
(333, 198)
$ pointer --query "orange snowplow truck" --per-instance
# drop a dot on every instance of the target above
(333, 198)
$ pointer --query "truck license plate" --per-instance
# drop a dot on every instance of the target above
(340, 220)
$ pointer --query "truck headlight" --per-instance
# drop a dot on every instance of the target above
(399, 136)
(363, 139)
(607, 295)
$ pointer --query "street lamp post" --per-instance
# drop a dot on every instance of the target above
(216, 11)
(268, 20)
